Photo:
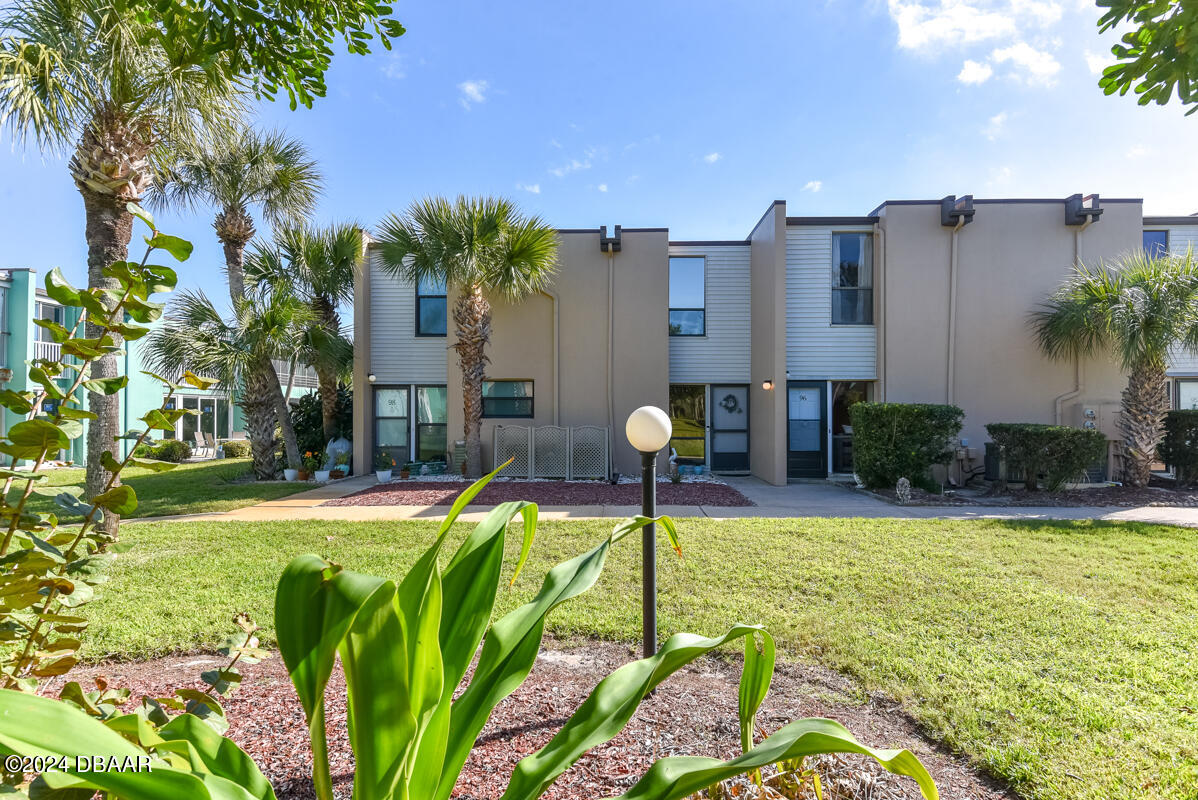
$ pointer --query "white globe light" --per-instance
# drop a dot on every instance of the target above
(648, 429)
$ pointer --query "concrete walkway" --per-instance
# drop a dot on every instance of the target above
(814, 499)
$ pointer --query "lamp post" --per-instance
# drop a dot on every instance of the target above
(648, 430)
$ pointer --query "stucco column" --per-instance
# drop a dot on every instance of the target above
(363, 405)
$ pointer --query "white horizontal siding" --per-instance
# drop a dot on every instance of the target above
(1181, 239)
(723, 354)
(397, 354)
(815, 348)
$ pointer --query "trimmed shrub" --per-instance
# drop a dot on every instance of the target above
(1180, 446)
(308, 419)
(174, 450)
(1056, 453)
(902, 440)
(143, 450)
(237, 448)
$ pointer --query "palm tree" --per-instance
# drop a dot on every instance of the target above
(238, 352)
(317, 265)
(98, 76)
(477, 246)
(1137, 310)
(234, 174)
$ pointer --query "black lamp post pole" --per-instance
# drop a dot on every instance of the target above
(649, 546)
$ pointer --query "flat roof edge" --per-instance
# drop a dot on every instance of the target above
(711, 243)
(799, 221)
(1171, 220)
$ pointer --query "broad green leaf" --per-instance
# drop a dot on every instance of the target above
(179, 248)
(69, 412)
(217, 755)
(142, 214)
(119, 500)
(90, 349)
(106, 386)
(57, 332)
(130, 333)
(71, 428)
(80, 594)
(68, 501)
(37, 436)
(192, 379)
(677, 777)
(22, 475)
(108, 462)
(152, 464)
(143, 311)
(160, 379)
(611, 705)
(159, 279)
(158, 420)
(17, 403)
(755, 678)
(91, 301)
(60, 289)
(130, 435)
(40, 376)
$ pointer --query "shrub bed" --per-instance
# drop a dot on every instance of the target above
(173, 450)
(1180, 446)
(902, 440)
(1056, 453)
(238, 448)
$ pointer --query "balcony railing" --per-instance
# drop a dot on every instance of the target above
(304, 376)
(50, 350)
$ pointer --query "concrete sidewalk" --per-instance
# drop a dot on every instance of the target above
(815, 499)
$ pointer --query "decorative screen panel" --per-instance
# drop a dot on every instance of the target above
(588, 452)
(513, 441)
(551, 452)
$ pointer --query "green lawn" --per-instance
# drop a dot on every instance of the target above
(1063, 657)
(187, 489)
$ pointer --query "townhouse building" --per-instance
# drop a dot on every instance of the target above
(759, 346)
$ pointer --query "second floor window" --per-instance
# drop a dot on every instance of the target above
(1156, 243)
(50, 312)
(852, 279)
(507, 398)
(431, 312)
(688, 296)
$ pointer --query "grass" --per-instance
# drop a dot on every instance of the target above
(191, 488)
(1061, 657)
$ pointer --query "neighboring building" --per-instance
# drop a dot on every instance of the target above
(759, 346)
(22, 301)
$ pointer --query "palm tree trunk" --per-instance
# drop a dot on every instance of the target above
(260, 423)
(283, 412)
(326, 312)
(1142, 423)
(472, 321)
(109, 228)
(234, 228)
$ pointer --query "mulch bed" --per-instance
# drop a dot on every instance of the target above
(693, 713)
(1156, 494)
(549, 493)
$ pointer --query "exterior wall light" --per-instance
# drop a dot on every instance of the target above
(767, 384)
(371, 377)
(648, 430)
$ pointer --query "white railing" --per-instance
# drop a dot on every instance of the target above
(50, 350)
(304, 376)
(549, 451)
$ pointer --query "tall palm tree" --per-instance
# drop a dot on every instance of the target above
(97, 76)
(234, 174)
(238, 352)
(317, 265)
(478, 246)
(1136, 310)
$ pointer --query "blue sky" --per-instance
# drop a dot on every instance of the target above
(694, 116)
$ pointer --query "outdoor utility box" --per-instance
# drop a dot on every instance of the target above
(1096, 415)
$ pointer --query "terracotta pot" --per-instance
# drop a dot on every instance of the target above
(304, 475)
(405, 474)
(336, 473)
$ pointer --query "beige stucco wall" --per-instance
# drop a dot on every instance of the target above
(363, 433)
(1009, 259)
(522, 344)
(767, 408)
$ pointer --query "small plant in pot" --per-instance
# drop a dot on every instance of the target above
(383, 463)
(340, 466)
(309, 464)
(405, 471)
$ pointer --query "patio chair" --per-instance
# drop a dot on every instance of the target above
(200, 444)
(211, 443)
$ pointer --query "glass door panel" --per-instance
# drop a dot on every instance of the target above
(805, 430)
(431, 438)
(688, 416)
(391, 414)
(730, 428)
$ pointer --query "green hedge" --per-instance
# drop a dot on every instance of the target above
(902, 440)
(1180, 446)
(308, 419)
(237, 448)
(173, 450)
(1056, 453)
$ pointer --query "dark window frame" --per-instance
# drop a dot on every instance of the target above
(532, 399)
(868, 289)
(1164, 251)
(703, 310)
(375, 417)
(414, 436)
(420, 298)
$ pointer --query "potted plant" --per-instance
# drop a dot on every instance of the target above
(339, 467)
(405, 471)
(309, 464)
(290, 475)
(382, 466)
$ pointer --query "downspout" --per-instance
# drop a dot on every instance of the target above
(949, 392)
(1078, 373)
(611, 337)
(880, 333)
(557, 381)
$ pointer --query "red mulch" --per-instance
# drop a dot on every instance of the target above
(693, 713)
(548, 493)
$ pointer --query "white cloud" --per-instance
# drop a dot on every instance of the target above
(472, 92)
(974, 72)
(813, 186)
(1043, 12)
(711, 158)
(996, 126)
(573, 165)
(603, 187)
(1138, 151)
(1096, 62)
(999, 177)
(1040, 68)
(923, 26)
(534, 188)
(554, 143)
(393, 67)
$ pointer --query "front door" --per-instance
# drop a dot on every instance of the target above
(805, 430)
(729, 428)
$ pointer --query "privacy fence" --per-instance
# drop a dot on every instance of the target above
(551, 451)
